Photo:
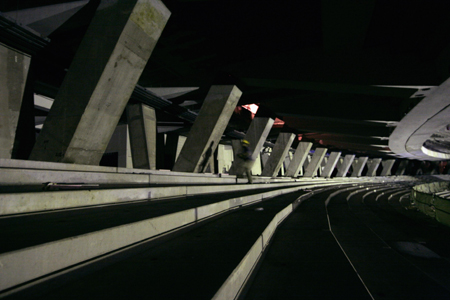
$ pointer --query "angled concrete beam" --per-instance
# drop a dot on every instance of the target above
(286, 163)
(372, 166)
(279, 152)
(331, 164)
(387, 166)
(14, 68)
(345, 166)
(100, 81)
(142, 127)
(358, 166)
(316, 160)
(402, 167)
(256, 135)
(307, 161)
(299, 158)
(264, 158)
(120, 143)
(208, 128)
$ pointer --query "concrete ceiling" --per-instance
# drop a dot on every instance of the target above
(338, 73)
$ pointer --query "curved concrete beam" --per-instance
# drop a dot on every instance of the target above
(425, 119)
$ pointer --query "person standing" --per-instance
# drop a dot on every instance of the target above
(246, 156)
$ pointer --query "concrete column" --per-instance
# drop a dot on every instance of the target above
(264, 158)
(208, 128)
(256, 135)
(100, 81)
(225, 158)
(387, 166)
(316, 160)
(372, 166)
(323, 163)
(171, 149)
(402, 167)
(358, 166)
(120, 143)
(299, 158)
(305, 164)
(331, 164)
(279, 152)
(345, 166)
(160, 145)
(142, 126)
(180, 145)
(14, 67)
(286, 163)
(257, 168)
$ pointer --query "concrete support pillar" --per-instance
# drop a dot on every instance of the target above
(120, 144)
(299, 158)
(26, 125)
(256, 135)
(14, 67)
(402, 167)
(285, 165)
(225, 158)
(387, 166)
(279, 152)
(316, 160)
(205, 134)
(172, 147)
(331, 164)
(264, 159)
(307, 161)
(358, 166)
(100, 81)
(142, 126)
(257, 168)
(345, 166)
(372, 166)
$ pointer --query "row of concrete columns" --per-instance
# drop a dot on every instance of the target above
(96, 92)
(210, 125)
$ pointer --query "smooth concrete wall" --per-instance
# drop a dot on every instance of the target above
(17, 203)
(14, 67)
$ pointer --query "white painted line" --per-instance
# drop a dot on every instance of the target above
(340, 246)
